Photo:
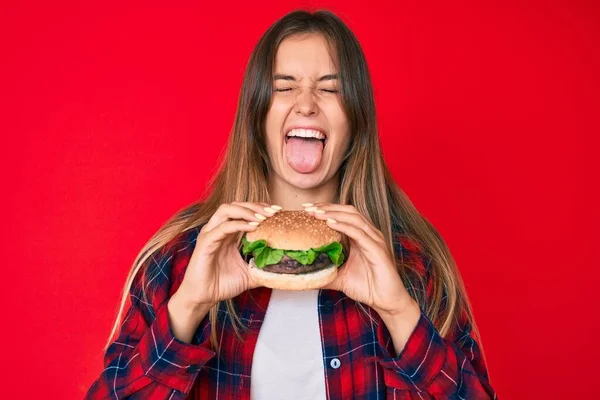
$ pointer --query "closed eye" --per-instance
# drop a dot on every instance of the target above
(323, 90)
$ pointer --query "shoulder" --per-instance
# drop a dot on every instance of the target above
(176, 255)
(182, 243)
(163, 270)
(411, 253)
(161, 273)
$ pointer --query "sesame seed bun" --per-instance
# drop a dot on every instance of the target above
(294, 230)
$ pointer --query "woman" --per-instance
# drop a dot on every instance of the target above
(396, 322)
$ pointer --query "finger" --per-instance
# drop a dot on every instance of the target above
(241, 203)
(261, 208)
(227, 228)
(246, 211)
(349, 209)
(354, 219)
(365, 242)
(335, 207)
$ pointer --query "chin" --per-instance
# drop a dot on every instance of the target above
(304, 181)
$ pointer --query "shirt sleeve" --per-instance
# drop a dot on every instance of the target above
(146, 361)
(431, 366)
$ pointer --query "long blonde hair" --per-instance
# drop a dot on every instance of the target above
(365, 180)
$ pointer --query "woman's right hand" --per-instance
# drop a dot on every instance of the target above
(216, 270)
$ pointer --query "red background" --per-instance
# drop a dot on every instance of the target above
(113, 116)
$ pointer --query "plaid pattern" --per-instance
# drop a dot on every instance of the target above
(147, 362)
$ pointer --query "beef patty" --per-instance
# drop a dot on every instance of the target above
(291, 266)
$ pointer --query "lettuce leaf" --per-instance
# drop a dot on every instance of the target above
(304, 257)
(335, 252)
(268, 256)
(252, 246)
(265, 255)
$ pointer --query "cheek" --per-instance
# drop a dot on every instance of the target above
(339, 124)
(275, 118)
(274, 122)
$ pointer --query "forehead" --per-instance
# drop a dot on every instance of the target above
(304, 56)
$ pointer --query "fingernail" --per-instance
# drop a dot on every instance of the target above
(319, 211)
(276, 207)
(253, 223)
(307, 204)
(333, 221)
(311, 208)
(260, 216)
(270, 210)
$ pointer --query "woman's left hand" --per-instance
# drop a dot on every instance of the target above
(369, 275)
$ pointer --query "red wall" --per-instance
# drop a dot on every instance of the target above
(113, 118)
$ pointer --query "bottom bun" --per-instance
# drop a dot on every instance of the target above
(311, 280)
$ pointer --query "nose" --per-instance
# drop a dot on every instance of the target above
(305, 102)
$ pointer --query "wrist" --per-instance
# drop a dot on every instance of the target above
(402, 308)
(185, 306)
(401, 323)
(185, 316)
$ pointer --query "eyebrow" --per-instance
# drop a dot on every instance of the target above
(328, 77)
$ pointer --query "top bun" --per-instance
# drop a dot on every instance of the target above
(294, 230)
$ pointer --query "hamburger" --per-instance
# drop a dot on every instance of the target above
(292, 250)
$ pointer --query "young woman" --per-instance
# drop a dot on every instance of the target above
(396, 323)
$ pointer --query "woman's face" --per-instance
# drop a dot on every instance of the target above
(305, 102)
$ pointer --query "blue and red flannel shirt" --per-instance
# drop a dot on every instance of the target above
(147, 362)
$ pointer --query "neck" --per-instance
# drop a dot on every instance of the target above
(290, 197)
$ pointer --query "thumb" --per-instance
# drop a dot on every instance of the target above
(336, 284)
(252, 284)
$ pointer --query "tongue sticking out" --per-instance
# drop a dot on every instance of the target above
(303, 155)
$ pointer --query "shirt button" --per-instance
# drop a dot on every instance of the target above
(328, 306)
(335, 363)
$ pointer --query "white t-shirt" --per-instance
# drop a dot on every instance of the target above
(288, 358)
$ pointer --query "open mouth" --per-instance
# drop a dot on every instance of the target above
(307, 134)
(324, 141)
(304, 149)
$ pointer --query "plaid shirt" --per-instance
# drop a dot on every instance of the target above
(147, 362)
